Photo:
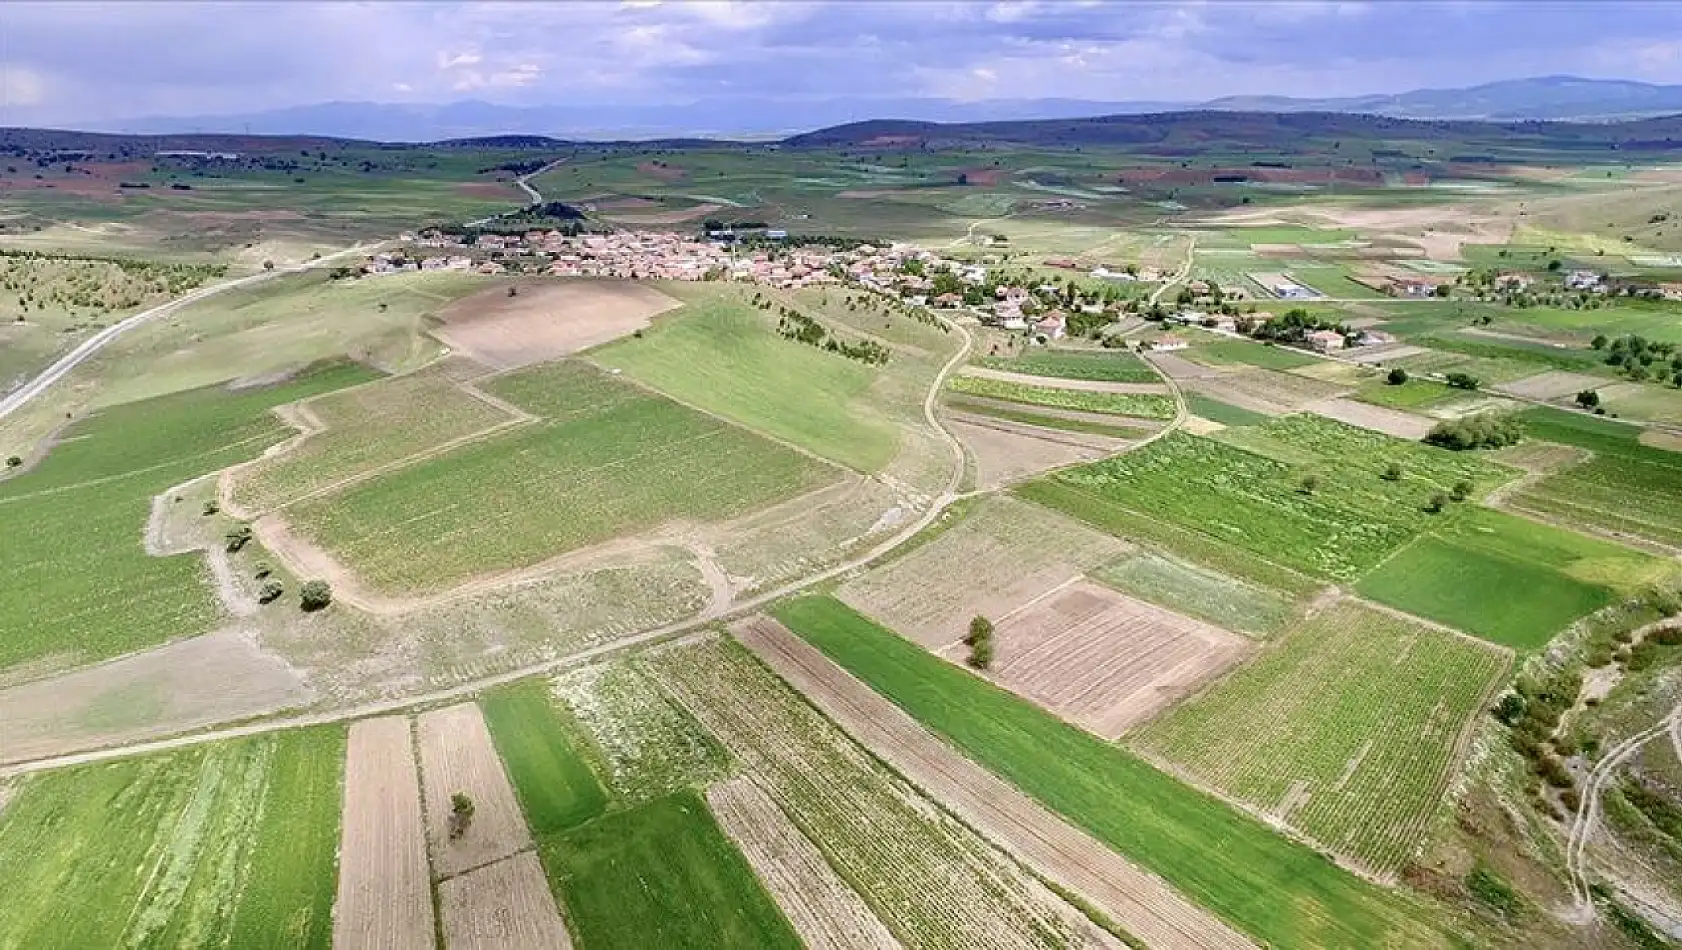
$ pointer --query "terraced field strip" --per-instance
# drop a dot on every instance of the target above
(826, 912)
(1105, 660)
(1117, 366)
(1040, 392)
(1349, 729)
(932, 881)
(505, 905)
(1139, 902)
(457, 755)
(385, 883)
(1079, 385)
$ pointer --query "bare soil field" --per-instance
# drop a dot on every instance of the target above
(1142, 904)
(456, 755)
(174, 688)
(385, 884)
(1662, 439)
(1178, 367)
(1553, 384)
(1197, 425)
(1104, 660)
(674, 216)
(1266, 391)
(1055, 382)
(1402, 425)
(1003, 555)
(546, 320)
(1007, 452)
(502, 906)
(824, 910)
(1368, 355)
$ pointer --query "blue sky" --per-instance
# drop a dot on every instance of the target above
(62, 62)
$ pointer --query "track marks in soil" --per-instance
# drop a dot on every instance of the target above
(385, 883)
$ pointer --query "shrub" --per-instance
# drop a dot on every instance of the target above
(238, 538)
(1392, 472)
(980, 642)
(1438, 502)
(211, 507)
(315, 595)
(1463, 381)
(1509, 708)
(13, 461)
(1485, 430)
(1588, 399)
(1461, 491)
(1310, 484)
(1397, 376)
(270, 591)
(461, 814)
(1489, 888)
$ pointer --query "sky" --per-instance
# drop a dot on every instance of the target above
(63, 63)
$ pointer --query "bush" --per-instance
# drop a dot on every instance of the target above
(1509, 708)
(1588, 399)
(1485, 430)
(315, 595)
(270, 591)
(461, 814)
(1489, 888)
(979, 639)
(1397, 376)
(1463, 381)
(1461, 491)
(1438, 502)
(239, 538)
(13, 461)
(211, 507)
(1392, 472)
(1310, 484)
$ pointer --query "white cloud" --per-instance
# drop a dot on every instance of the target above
(21, 87)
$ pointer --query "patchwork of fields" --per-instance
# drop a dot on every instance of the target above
(1627, 489)
(1137, 405)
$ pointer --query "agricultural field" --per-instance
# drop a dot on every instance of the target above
(1275, 890)
(1243, 352)
(557, 789)
(534, 321)
(230, 844)
(647, 746)
(1627, 490)
(1136, 405)
(84, 588)
(575, 478)
(1413, 394)
(1266, 391)
(1116, 366)
(1224, 413)
(1302, 735)
(1086, 423)
(1199, 592)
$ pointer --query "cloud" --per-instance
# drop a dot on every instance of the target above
(66, 62)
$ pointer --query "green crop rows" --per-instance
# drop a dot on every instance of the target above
(1627, 488)
(1198, 592)
(1223, 352)
(1347, 730)
(609, 458)
(1223, 412)
(1116, 366)
(1282, 893)
(1140, 405)
(554, 783)
(227, 845)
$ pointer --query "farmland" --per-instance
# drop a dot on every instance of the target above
(1627, 489)
(1301, 734)
(574, 479)
(1273, 889)
(1137, 405)
(1116, 366)
(648, 746)
(230, 844)
(1198, 592)
(556, 788)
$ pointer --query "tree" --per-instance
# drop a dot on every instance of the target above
(513, 291)
(1438, 502)
(1599, 342)
(270, 591)
(12, 461)
(238, 538)
(461, 814)
(1463, 381)
(1588, 399)
(1484, 430)
(979, 639)
(1510, 709)
(1397, 376)
(268, 265)
(1461, 491)
(1392, 472)
(963, 178)
(314, 595)
(211, 507)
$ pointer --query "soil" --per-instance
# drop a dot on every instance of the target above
(456, 755)
(546, 319)
(385, 884)
(1402, 425)
(1662, 439)
(1140, 903)
(1554, 384)
(662, 171)
(502, 906)
(1007, 452)
(674, 216)
(493, 190)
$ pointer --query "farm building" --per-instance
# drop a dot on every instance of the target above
(1053, 325)
(1325, 340)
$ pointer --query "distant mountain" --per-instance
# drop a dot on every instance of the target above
(1547, 97)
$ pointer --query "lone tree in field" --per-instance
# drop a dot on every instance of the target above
(1438, 502)
(314, 595)
(13, 461)
(268, 265)
(239, 538)
(1310, 484)
(1397, 376)
(1588, 399)
(461, 814)
(1461, 491)
(980, 642)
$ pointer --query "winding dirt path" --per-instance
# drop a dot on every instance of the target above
(1587, 820)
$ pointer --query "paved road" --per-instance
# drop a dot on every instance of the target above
(85, 351)
(524, 184)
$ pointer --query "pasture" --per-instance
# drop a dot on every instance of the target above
(1136, 405)
(228, 844)
(1277, 891)
(1116, 366)
(608, 458)
(1302, 734)
(85, 588)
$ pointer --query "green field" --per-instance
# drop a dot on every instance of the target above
(230, 844)
(1116, 366)
(1198, 592)
(1413, 394)
(721, 354)
(1223, 412)
(84, 587)
(1628, 488)
(1279, 892)
(1347, 729)
(608, 458)
(1228, 352)
(1349, 522)
(556, 788)
(1138, 405)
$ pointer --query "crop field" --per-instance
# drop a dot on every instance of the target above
(648, 745)
(1229, 352)
(84, 588)
(554, 783)
(1488, 370)
(505, 905)
(1402, 425)
(1277, 891)
(1067, 421)
(1348, 523)
(1198, 592)
(1628, 489)
(385, 880)
(1645, 401)
(1000, 556)
(362, 430)
(608, 458)
(1347, 729)
(457, 755)
(721, 354)
(1105, 660)
(1413, 394)
(881, 835)
(1224, 413)
(1264, 390)
(1117, 366)
(1137, 405)
(229, 844)
(534, 321)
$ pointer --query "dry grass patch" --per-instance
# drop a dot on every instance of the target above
(385, 885)
(1554, 384)
(1662, 439)
(546, 320)
(457, 756)
(1265, 390)
(502, 906)
(1007, 452)
(1402, 425)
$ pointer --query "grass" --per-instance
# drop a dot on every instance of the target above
(649, 746)
(1139, 405)
(608, 458)
(1413, 394)
(721, 354)
(1223, 412)
(1198, 592)
(1280, 892)
(231, 844)
(1627, 488)
(84, 586)
(1303, 733)
(1228, 352)
(662, 874)
(556, 788)
(1117, 366)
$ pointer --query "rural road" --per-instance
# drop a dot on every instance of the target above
(524, 184)
(85, 351)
